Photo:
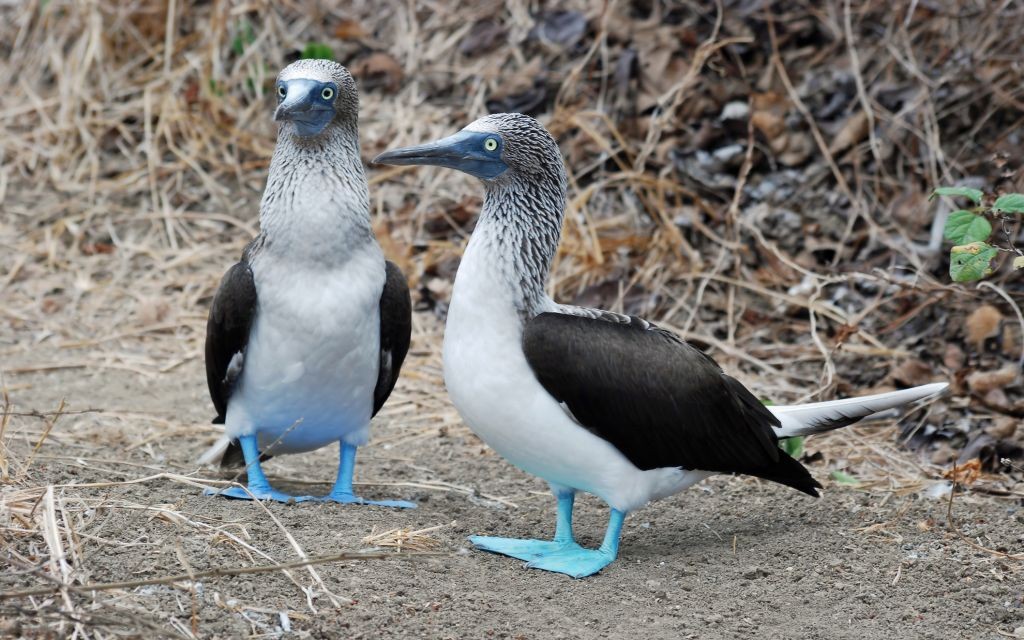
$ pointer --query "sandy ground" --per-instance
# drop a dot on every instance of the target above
(729, 558)
(131, 167)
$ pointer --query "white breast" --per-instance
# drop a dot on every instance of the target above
(314, 349)
(498, 396)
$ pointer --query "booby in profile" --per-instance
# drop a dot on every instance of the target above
(308, 332)
(590, 400)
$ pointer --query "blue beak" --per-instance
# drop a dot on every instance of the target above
(465, 151)
(304, 105)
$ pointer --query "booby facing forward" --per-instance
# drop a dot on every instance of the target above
(308, 332)
(589, 400)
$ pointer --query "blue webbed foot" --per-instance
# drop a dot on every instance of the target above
(523, 549)
(348, 498)
(258, 486)
(576, 562)
(258, 493)
(342, 491)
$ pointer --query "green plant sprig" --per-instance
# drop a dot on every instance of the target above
(970, 230)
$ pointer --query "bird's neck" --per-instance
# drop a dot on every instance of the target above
(517, 234)
(316, 205)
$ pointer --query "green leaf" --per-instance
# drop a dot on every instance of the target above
(1010, 203)
(970, 262)
(316, 50)
(793, 446)
(245, 36)
(844, 478)
(967, 192)
(215, 88)
(963, 227)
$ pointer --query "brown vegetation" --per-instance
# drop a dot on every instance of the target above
(753, 175)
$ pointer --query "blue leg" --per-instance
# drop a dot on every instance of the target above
(258, 485)
(579, 562)
(532, 549)
(342, 491)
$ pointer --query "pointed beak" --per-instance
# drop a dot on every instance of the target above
(297, 103)
(302, 106)
(463, 151)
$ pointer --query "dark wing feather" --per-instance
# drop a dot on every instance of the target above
(227, 334)
(395, 332)
(658, 400)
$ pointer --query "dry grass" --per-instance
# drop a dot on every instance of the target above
(405, 539)
(136, 141)
(129, 175)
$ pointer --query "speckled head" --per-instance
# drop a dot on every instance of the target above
(311, 94)
(494, 148)
(526, 146)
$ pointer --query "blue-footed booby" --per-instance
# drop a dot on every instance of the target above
(307, 333)
(590, 400)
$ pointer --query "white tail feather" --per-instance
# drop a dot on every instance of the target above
(805, 419)
(214, 454)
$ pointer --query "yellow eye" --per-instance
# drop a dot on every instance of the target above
(490, 144)
(281, 90)
(327, 93)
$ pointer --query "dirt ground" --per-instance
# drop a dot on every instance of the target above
(729, 558)
(755, 175)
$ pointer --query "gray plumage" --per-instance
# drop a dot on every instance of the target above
(308, 332)
(320, 178)
(524, 207)
(587, 399)
(670, 412)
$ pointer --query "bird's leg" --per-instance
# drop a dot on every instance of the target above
(532, 549)
(563, 521)
(258, 486)
(342, 491)
(579, 562)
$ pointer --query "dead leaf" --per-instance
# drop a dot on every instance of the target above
(854, 130)
(984, 381)
(997, 398)
(987, 451)
(768, 113)
(93, 248)
(943, 453)
(795, 148)
(911, 373)
(378, 69)
(527, 101)
(660, 68)
(521, 92)
(965, 473)
(484, 36)
(1003, 428)
(561, 29)
(954, 357)
(349, 29)
(983, 324)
